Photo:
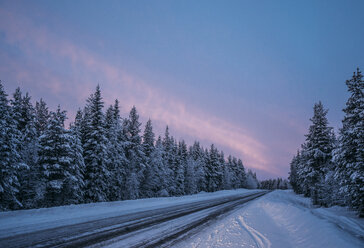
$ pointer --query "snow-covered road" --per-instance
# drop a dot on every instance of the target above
(233, 218)
(282, 219)
(140, 223)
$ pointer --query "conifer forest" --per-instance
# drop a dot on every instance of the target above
(100, 157)
(329, 168)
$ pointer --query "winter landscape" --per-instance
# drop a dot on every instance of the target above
(181, 124)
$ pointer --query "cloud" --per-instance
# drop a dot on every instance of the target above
(37, 41)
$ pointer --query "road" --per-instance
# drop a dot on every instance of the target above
(152, 228)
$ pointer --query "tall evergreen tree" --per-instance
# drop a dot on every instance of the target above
(23, 114)
(197, 153)
(293, 174)
(318, 149)
(349, 156)
(75, 184)
(134, 154)
(116, 153)
(214, 170)
(41, 117)
(55, 159)
(9, 157)
(151, 171)
(94, 149)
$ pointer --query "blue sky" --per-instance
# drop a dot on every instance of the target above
(241, 74)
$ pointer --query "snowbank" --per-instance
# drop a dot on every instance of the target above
(283, 219)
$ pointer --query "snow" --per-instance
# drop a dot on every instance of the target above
(278, 219)
(282, 219)
(25, 221)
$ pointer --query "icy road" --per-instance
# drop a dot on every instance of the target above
(232, 218)
(140, 223)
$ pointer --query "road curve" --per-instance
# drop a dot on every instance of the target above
(152, 228)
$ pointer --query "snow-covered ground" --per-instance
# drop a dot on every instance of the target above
(25, 221)
(282, 219)
(277, 219)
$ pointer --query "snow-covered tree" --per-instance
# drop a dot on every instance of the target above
(134, 154)
(293, 174)
(95, 149)
(198, 155)
(151, 171)
(116, 154)
(41, 117)
(169, 159)
(349, 156)
(213, 170)
(317, 150)
(251, 180)
(55, 159)
(23, 115)
(241, 174)
(75, 183)
(9, 157)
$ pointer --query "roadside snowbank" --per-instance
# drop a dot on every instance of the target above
(282, 219)
(24, 221)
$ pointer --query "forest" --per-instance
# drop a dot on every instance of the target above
(329, 168)
(100, 157)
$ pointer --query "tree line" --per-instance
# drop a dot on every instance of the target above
(100, 157)
(330, 169)
(276, 183)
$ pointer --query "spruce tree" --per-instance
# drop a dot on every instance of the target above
(75, 184)
(41, 117)
(55, 159)
(95, 149)
(23, 115)
(349, 156)
(151, 171)
(134, 154)
(318, 149)
(293, 174)
(115, 150)
(214, 170)
(10, 158)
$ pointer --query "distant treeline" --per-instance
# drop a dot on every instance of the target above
(273, 184)
(330, 169)
(100, 157)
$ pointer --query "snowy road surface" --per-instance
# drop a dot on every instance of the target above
(282, 219)
(231, 218)
(140, 223)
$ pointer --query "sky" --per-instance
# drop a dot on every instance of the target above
(243, 75)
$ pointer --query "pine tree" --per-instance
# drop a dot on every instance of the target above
(55, 159)
(251, 180)
(134, 154)
(349, 156)
(197, 153)
(293, 175)
(23, 115)
(214, 170)
(41, 117)
(94, 149)
(75, 184)
(116, 153)
(192, 176)
(169, 160)
(10, 158)
(151, 172)
(179, 167)
(241, 174)
(148, 139)
(318, 148)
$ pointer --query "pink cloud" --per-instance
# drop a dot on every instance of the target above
(129, 89)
